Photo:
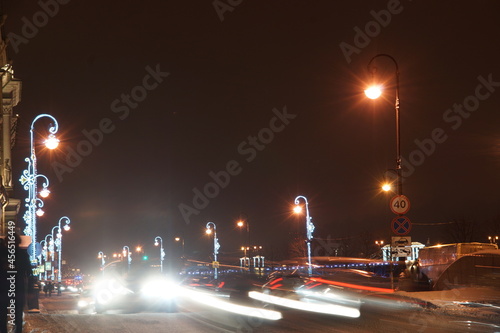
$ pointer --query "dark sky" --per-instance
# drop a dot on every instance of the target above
(225, 79)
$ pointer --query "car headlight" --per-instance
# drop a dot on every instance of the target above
(83, 303)
(159, 288)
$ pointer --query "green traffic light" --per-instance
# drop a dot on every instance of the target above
(145, 258)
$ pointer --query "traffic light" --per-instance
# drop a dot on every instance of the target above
(145, 258)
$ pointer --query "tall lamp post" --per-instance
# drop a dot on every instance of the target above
(100, 255)
(29, 181)
(126, 252)
(241, 224)
(216, 245)
(162, 252)
(374, 92)
(58, 243)
(178, 239)
(42, 257)
(46, 250)
(309, 228)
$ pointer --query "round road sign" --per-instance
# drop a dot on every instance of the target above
(400, 204)
(401, 225)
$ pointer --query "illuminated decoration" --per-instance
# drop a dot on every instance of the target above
(126, 253)
(58, 243)
(162, 252)
(216, 245)
(309, 229)
(29, 180)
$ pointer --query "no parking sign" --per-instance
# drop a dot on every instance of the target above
(401, 225)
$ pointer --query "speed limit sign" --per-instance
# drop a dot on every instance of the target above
(400, 204)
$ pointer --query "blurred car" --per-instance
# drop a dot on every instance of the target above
(85, 302)
(142, 289)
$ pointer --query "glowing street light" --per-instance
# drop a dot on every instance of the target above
(309, 228)
(216, 245)
(162, 252)
(29, 179)
(126, 253)
(46, 251)
(100, 255)
(386, 187)
(58, 243)
(375, 92)
(178, 239)
(245, 224)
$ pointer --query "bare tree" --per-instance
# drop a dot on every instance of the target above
(463, 230)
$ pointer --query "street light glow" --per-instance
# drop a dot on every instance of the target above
(297, 209)
(386, 187)
(52, 142)
(39, 212)
(208, 231)
(44, 193)
(373, 92)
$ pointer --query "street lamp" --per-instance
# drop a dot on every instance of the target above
(29, 181)
(309, 228)
(42, 257)
(216, 245)
(246, 224)
(374, 92)
(162, 252)
(178, 239)
(100, 255)
(126, 252)
(58, 243)
(46, 250)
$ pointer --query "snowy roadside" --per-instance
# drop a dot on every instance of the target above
(476, 302)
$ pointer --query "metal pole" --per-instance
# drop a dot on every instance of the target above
(29, 181)
(216, 247)
(309, 231)
(397, 109)
(162, 252)
(129, 258)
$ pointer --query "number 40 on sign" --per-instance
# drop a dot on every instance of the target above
(400, 204)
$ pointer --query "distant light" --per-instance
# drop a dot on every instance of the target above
(145, 257)
(66, 227)
(156, 243)
(373, 92)
(39, 212)
(138, 249)
(297, 209)
(177, 239)
(44, 192)
(52, 142)
(386, 187)
(208, 231)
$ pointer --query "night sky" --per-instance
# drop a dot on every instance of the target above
(154, 98)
